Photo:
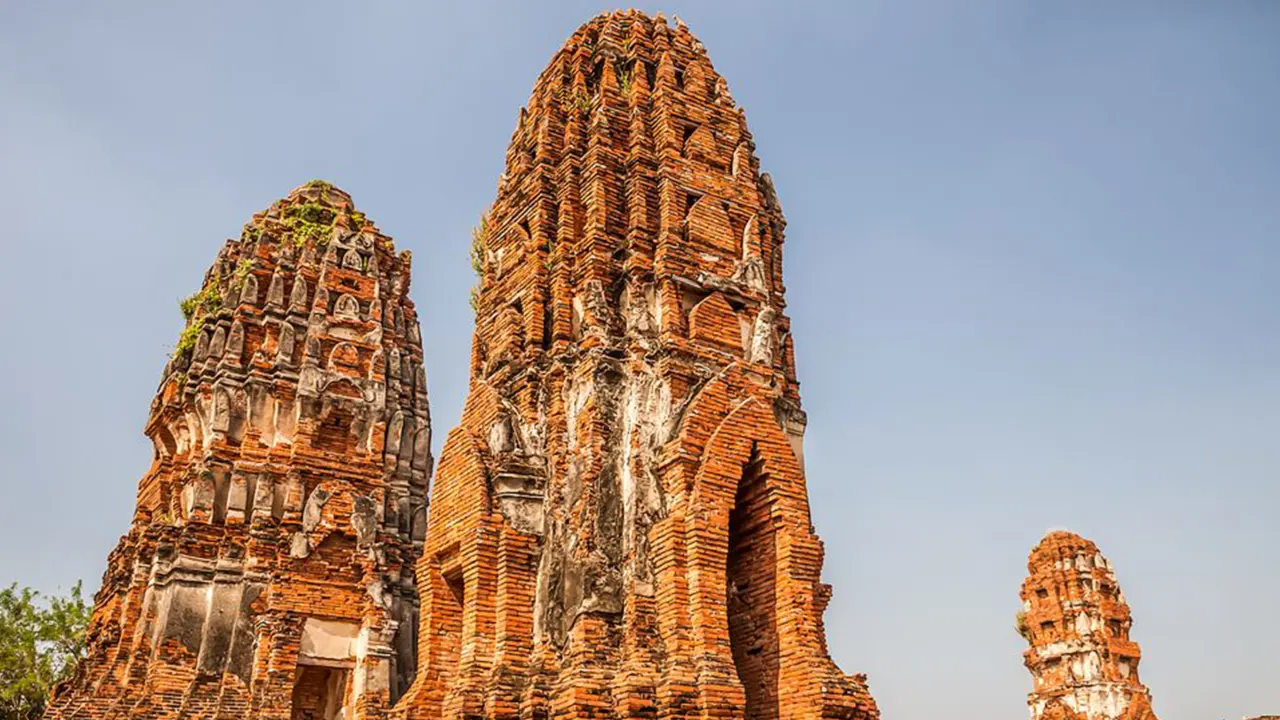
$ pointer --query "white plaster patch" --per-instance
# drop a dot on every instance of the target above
(328, 639)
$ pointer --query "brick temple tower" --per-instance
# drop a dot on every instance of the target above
(1076, 620)
(268, 570)
(620, 524)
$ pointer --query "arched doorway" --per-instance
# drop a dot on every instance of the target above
(751, 591)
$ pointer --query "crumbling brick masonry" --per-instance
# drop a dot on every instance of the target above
(268, 572)
(1076, 621)
(620, 526)
(620, 523)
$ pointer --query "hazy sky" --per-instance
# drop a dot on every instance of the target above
(1032, 269)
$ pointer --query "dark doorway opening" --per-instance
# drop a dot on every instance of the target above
(321, 693)
(448, 605)
(751, 592)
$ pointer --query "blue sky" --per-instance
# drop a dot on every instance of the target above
(1031, 265)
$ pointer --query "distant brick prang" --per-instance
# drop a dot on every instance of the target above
(1075, 618)
(268, 572)
(620, 524)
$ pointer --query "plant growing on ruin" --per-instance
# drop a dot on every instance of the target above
(203, 302)
(194, 307)
(478, 252)
(187, 339)
(310, 221)
(188, 305)
(550, 248)
(167, 518)
(1020, 625)
(479, 234)
(241, 273)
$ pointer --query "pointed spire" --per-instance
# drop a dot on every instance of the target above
(608, 79)
(666, 76)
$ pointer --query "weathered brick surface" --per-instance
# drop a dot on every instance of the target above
(271, 555)
(1076, 621)
(620, 524)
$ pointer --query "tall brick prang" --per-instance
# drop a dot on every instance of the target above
(1076, 620)
(268, 572)
(620, 523)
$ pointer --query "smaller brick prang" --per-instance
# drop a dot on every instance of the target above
(1076, 620)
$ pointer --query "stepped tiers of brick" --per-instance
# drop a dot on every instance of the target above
(268, 572)
(620, 525)
(1075, 618)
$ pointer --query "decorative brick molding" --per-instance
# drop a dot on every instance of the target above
(620, 524)
(1077, 623)
(269, 564)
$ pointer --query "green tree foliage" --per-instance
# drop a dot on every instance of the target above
(41, 638)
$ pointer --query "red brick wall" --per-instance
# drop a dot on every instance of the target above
(631, 359)
(1076, 622)
(286, 484)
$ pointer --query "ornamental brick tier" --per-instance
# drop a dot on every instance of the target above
(1077, 623)
(620, 525)
(268, 572)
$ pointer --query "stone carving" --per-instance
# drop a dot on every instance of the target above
(750, 274)
(249, 292)
(347, 308)
(284, 352)
(242, 585)
(605, 529)
(762, 337)
(235, 343)
(202, 346)
(275, 291)
(351, 260)
(639, 321)
(597, 311)
(218, 345)
(298, 296)
(1075, 619)
(502, 435)
(770, 194)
